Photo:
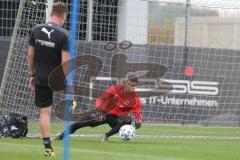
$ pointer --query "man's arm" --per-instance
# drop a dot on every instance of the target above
(65, 62)
(66, 67)
(31, 62)
(137, 112)
(105, 96)
(31, 55)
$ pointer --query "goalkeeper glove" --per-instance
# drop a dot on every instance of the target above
(72, 106)
(138, 125)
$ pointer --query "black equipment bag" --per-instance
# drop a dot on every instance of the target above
(13, 125)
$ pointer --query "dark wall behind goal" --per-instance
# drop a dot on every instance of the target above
(210, 96)
(4, 45)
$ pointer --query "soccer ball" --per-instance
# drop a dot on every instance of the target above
(127, 132)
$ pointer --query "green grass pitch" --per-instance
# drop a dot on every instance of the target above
(153, 142)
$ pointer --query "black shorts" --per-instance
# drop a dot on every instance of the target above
(43, 96)
(113, 120)
(95, 118)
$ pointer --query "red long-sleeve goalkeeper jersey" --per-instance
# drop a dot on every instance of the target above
(116, 102)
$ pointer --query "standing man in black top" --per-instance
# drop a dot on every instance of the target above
(48, 48)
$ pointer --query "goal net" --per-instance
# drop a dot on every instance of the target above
(185, 52)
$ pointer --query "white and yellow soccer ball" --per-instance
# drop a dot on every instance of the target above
(127, 132)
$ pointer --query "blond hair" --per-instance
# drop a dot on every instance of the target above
(59, 9)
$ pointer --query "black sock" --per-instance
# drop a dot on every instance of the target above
(61, 135)
(114, 130)
(47, 143)
(75, 126)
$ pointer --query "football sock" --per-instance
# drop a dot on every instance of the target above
(47, 143)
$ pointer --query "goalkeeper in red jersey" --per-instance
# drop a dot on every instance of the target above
(114, 108)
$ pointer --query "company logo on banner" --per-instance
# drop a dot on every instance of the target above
(152, 89)
(180, 91)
